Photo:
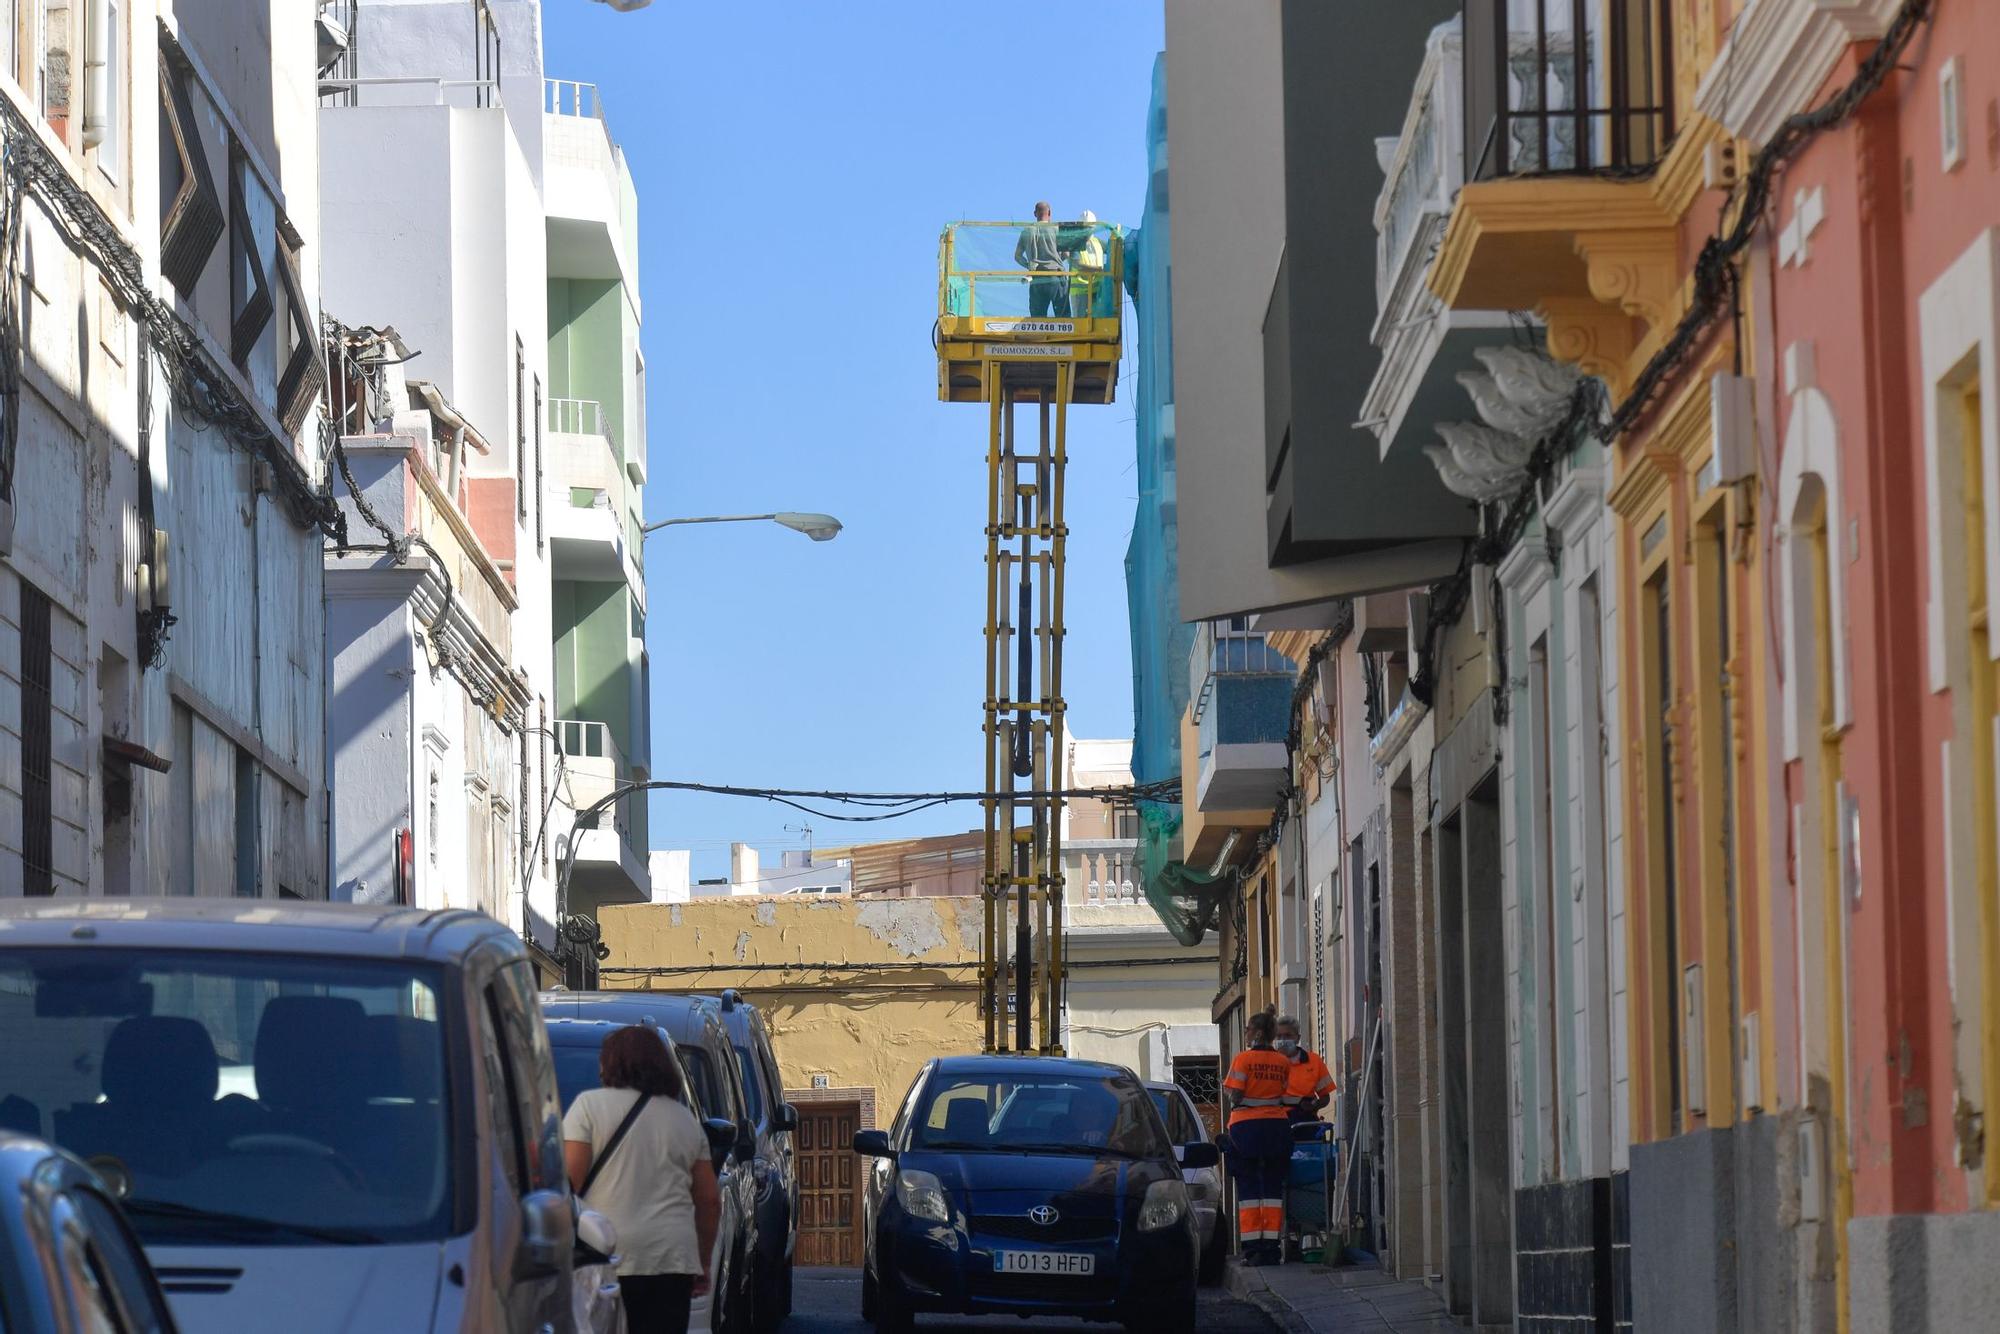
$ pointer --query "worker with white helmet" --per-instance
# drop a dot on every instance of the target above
(1087, 287)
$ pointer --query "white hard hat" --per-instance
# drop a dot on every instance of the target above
(1088, 216)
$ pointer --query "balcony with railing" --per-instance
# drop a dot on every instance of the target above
(1102, 872)
(591, 206)
(1424, 345)
(1240, 698)
(592, 533)
(1577, 173)
(588, 418)
(610, 861)
(1568, 86)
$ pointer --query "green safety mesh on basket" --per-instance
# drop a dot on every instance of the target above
(1185, 899)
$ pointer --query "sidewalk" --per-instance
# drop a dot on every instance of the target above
(1353, 1299)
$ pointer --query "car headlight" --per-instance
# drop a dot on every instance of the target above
(1166, 1204)
(922, 1196)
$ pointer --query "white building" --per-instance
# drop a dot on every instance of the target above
(484, 213)
(161, 511)
(799, 872)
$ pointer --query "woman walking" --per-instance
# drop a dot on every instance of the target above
(1260, 1139)
(636, 1155)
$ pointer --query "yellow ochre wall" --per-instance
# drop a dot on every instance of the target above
(805, 964)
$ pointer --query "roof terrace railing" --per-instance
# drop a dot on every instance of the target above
(571, 97)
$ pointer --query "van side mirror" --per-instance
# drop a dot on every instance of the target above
(721, 1140)
(788, 1117)
(1198, 1155)
(874, 1144)
(548, 1234)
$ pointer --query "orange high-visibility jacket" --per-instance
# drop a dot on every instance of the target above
(1260, 1077)
(1309, 1077)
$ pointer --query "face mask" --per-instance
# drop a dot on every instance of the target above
(1286, 1045)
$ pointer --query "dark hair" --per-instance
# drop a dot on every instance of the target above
(1262, 1025)
(637, 1058)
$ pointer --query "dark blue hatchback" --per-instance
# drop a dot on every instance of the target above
(1019, 1185)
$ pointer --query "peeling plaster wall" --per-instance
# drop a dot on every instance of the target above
(831, 1012)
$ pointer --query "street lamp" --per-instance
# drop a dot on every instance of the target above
(819, 527)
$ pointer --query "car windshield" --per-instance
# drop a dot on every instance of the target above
(1042, 1113)
(247, 1099)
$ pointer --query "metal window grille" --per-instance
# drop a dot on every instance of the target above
(1567, 85)
(1200, 1077)
(38, 828)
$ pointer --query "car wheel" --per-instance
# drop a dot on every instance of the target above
(785, 1292)
(1214, 1258)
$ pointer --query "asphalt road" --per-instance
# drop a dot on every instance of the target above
(828, 1301)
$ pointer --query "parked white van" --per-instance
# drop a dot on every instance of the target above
(386, 1151)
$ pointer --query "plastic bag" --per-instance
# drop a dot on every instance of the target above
(595, 1305)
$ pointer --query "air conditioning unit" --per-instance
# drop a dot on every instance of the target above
(1732, 404)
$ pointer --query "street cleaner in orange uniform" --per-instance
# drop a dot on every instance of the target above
(1310, 1083)
(1260, 1140)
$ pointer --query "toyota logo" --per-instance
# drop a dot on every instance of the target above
(1043, 1214)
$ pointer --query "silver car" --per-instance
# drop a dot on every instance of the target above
(1204, 1184)
(387, 1152)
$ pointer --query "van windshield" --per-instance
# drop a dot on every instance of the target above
(246, 1099)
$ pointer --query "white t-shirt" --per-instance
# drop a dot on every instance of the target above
(647, 1189)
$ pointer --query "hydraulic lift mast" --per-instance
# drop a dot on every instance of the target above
(990, 350)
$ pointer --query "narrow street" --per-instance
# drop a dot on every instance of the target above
(828, 1301)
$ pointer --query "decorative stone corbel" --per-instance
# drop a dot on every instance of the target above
(1635, 269)
(1595, 338)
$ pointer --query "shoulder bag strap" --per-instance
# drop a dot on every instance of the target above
(611, 1146)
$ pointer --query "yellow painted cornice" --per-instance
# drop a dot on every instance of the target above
(1525, 210)
(1669, 449)
(1642, 484)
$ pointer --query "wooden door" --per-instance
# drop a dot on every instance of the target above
(829, 1185)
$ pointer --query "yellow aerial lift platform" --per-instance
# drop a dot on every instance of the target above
(996, 316)
(1028, 313)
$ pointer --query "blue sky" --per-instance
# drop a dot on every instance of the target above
(795, 162)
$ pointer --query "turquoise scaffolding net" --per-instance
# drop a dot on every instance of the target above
(1187, 900)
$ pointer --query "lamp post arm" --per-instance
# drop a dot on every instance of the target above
(713, 518)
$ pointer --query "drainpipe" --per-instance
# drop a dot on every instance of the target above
(96, 71)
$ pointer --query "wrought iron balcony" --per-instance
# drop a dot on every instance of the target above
(1567, 86)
